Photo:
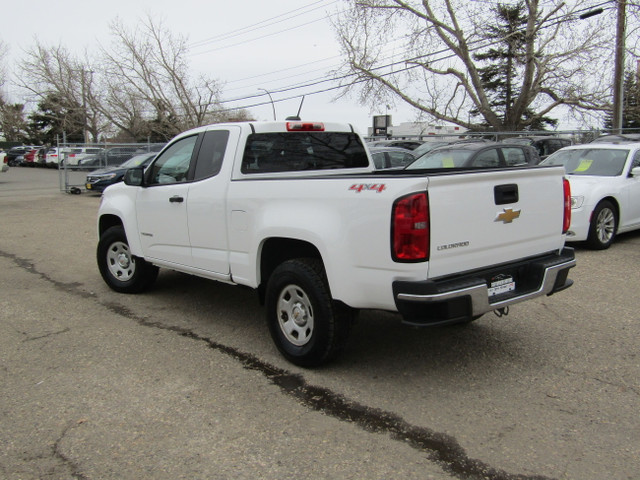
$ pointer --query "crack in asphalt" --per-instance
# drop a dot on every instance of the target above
(46, 335)
(59, 454)
(441, 448)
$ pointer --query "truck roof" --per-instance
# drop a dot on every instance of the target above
(279, 126)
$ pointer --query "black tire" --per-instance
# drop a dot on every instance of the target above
(604, 225)
(122, 271)
(307, 325)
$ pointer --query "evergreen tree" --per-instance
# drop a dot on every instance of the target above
(630, 104)
(13, 126)
(55, 119)
(499, 77)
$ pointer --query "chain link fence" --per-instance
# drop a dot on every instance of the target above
(76, 161)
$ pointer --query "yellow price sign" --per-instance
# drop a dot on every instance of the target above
(585, 163)
(448, 162)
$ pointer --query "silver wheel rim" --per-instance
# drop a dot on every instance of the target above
(605, 225)
(295, 315)
(121, 263)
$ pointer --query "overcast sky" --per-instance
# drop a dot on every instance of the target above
(248, 45)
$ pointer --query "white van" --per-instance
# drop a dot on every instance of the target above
(70, 155)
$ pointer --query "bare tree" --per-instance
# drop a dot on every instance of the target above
(12, 123)
(422, 53)
(147, 78)
(54, 72)
(4, 49)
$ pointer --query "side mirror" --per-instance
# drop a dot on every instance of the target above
(134, 177)
(635, 172)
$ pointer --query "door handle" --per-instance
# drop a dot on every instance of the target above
(506, 194)
(176, 199)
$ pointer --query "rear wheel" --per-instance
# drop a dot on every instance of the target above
(604, 224)
(121, 270)
(306, 324)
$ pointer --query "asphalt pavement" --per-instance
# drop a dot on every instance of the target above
(183, 382)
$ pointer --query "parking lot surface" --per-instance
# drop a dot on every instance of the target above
(184, 381)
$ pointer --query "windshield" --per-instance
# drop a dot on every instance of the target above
(449, 158)
(602, 162)
(519, 141)
(135, 161)
(427, 147)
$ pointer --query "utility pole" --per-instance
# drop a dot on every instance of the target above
(618, 72)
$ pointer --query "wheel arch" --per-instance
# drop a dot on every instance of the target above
(616, 204)
(276, 250)
(107, 221)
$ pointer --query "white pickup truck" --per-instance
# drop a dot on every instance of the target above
(297, 211)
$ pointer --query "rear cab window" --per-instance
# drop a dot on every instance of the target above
(302, 151)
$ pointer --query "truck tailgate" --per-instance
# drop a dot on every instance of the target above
(491, 217)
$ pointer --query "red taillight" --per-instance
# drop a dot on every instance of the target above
(410, 228)
(567, 206)
(305, 127)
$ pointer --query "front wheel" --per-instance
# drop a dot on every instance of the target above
(603, 227)
(121, 270)
(307, 325)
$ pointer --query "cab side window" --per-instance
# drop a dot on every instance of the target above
(488, 158)
(636, 160)
(211, 153)
(514, 156)
(173, 165)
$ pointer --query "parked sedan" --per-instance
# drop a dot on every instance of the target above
(98, 180)
(390, 157)
(15, 155)
(618, 138)
(544, 145)
(477, 155)
(117, 155)
(408, 144)
(605, 190)
(35, 156)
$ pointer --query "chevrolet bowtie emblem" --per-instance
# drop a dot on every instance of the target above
(507, 216)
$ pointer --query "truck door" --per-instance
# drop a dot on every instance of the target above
(161, 206)
(207, 205)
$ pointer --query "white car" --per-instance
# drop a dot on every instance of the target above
(75, 154)
(70, 155)
(605, 190)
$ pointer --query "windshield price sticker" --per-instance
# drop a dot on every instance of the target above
(501, 284)
(585, 164)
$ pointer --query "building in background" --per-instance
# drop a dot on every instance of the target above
(382, 126)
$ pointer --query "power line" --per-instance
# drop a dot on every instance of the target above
(259, 26)
(404, 61)
(312, 83)
(256, 26)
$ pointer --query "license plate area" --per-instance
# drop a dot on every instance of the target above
(501, 284)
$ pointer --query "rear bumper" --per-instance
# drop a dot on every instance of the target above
(462, 297)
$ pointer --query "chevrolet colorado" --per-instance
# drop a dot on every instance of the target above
(297, 211)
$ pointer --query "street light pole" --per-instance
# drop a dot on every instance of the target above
(85, 132)
(273, 106)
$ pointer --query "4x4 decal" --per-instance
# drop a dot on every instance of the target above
(376, 187)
